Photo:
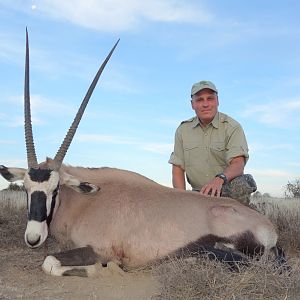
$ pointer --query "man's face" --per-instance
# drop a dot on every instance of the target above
(205, 103)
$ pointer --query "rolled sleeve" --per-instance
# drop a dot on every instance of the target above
(177, 156)
(175, 160)
(235, 152)
(237, 145)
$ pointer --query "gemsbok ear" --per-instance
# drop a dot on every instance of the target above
(12, 174)
(77, 185)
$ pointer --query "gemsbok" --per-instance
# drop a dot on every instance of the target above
(108, 215)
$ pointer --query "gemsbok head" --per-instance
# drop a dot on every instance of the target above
(132, 220)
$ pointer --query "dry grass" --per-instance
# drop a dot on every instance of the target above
(201, 278)
(285, 214)
(204, 279)
(13, 199)
(12, 226)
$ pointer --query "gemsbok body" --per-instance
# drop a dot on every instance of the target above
(111, 215)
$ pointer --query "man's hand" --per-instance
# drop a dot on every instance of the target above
(213, 188)
(235, 168)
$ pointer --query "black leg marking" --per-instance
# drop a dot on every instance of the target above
(279, 255)
(246, 243)
(232, 259)
(84, 256)
(205, 246)
(280, 259)
(209, 240)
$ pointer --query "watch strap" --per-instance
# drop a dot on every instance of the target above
(223, 176)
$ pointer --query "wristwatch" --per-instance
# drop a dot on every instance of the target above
(223, 176)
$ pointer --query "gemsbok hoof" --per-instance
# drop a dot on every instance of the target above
(52, 266)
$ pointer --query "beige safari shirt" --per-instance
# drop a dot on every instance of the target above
(205, 152)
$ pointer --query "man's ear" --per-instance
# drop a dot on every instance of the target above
(192, 104)
(77, 185)
(12, 174)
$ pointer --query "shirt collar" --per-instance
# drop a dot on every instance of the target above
(214, 122)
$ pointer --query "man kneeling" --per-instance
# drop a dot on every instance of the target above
(211, 150)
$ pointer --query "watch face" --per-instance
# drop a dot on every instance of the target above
(223, 176)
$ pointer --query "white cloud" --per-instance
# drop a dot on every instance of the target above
(277, 113)
(294, 164)
(67, 64)
(271, 181)
(42, 111)
(160, 148)
(118, 15)
(40, 106)
(11, 120)
(273, 189)
(100, 138)
(7, 142)
(256, 147)
(10, 48)
(157, 148)
(17, 163)
(270, 173)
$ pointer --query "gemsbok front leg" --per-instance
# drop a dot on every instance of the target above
(76, 262)
(82, 262)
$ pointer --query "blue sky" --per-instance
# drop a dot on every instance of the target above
(249, 49)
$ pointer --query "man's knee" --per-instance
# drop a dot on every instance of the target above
(241, 188)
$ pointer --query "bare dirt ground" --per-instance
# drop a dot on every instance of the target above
(21, 276)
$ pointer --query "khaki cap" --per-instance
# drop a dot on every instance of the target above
(201, 85)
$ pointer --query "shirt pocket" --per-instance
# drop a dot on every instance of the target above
(218, 153)
(194, 153)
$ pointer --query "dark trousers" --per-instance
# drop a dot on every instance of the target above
(240, 188)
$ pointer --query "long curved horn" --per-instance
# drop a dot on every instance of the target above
(31, 156)
(68, 139)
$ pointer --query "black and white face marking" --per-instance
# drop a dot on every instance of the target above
(42, 186)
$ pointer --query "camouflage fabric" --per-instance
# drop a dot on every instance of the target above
(240, 188)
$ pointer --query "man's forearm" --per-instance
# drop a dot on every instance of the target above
(178, 178)
(236, 168)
